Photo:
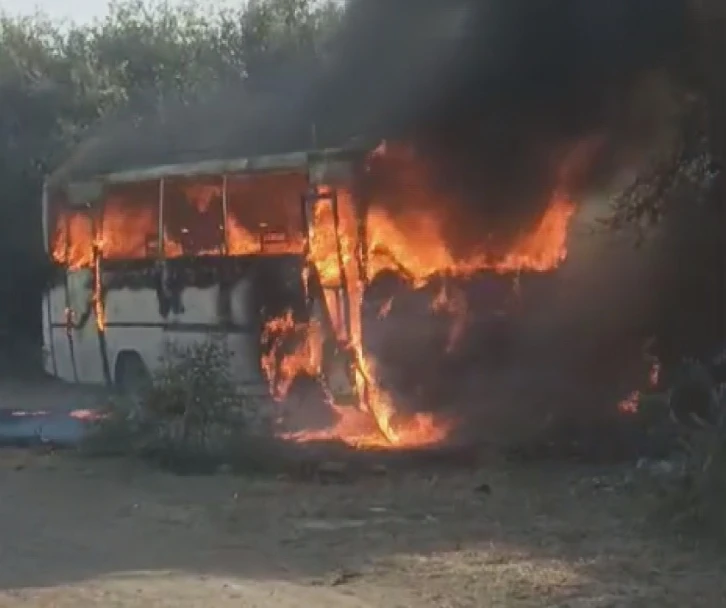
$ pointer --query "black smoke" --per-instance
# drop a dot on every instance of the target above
(489, 87)
(496, 93)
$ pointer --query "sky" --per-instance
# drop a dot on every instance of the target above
(74, 10)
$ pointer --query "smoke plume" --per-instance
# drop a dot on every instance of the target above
(497, 93)
(497, 96)
(491, 88)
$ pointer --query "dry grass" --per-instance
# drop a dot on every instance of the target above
(80, 532)
(545, 537)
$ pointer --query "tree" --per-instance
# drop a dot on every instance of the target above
(58, 86)
(695, 155)
(683, 190)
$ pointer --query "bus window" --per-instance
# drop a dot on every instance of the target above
(193, 217)
(264, 213)
(71, 236)
(56, 222)
(130, 221)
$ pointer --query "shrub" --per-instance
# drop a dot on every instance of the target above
(192, 393)
(701, 495)
(696, 493)
(188, 417)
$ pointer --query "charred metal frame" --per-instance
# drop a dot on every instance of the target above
(225, 202)
(98, 298)
(46, 241)
(160, 218)
(309, 202)
(295, 161)
(362, 197)
(69, 320)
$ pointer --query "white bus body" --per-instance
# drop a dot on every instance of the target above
(101, 314)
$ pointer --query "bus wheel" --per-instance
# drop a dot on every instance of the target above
(132, 377)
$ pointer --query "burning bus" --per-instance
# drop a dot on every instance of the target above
(288, 259)
(183, 252)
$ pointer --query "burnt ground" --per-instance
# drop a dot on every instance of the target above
(86, 532)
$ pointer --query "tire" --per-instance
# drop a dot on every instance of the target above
(132, 377)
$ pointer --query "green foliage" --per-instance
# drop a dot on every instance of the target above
(687, 168)
(192, 392)
(57, 83)
(694, 489)
(701, 497)
(701, 494)
(683, 172)
(190, 417)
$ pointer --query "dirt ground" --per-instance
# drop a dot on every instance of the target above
(80, 532)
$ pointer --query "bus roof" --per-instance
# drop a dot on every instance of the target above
(292, 161)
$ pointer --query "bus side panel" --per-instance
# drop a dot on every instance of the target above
(134, 325)
(59, 361)
(86, 346)
(49, 365)
(201, 319)
(244, 344)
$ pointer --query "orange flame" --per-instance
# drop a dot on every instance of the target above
(631, 403)
(292, 349)
(263, 216)
(412, 244)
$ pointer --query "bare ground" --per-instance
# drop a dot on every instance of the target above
(79, 532)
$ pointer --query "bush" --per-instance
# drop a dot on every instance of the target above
(696, 493)
(701, 495)
(192, 393)
(188, 418)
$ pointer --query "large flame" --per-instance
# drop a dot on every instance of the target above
(412, 241)
(283, 365)
(126, 227)
(409, 242)
(330, 256)
(262, 217)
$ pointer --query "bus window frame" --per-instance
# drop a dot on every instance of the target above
(163, 187)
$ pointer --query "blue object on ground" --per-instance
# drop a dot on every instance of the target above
(25, 429)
